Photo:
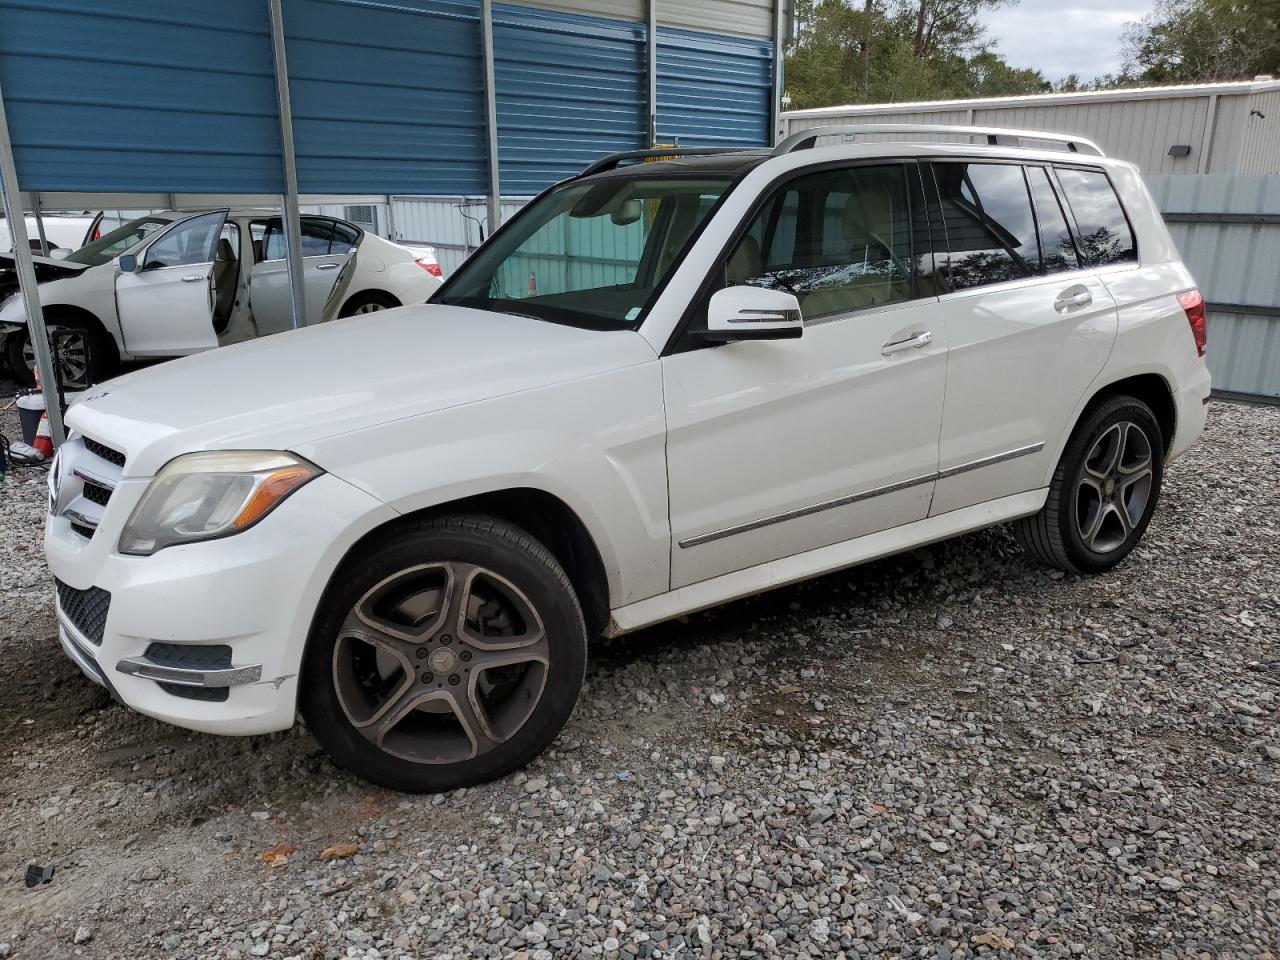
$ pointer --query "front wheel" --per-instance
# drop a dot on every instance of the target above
(1103, 492)
(84, 355)
(448, 654)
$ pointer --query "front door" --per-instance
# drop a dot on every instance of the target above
(1029, 324)
(326, 248)
(166, 307)
(779, 447)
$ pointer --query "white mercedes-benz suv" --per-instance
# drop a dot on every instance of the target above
(662, 386)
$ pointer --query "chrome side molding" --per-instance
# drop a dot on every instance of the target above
(857, 497)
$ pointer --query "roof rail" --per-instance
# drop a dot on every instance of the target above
(995, 136)
(614, 160)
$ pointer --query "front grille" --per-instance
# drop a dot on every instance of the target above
(105, 452)
(96, 493)
(86, 609)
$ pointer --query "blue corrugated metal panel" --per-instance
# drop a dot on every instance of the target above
(388, 97)
(713, 90)
(117, 95)
(570, 88)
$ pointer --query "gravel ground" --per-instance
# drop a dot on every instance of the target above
(946, 754)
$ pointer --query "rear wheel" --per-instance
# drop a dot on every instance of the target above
(449, 654)
(368, 303)
(1103, 493)
(85, 355)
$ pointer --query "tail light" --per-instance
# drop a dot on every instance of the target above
(429, 265)
(1192, 302)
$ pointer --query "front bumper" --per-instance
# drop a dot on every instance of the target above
(247, 601)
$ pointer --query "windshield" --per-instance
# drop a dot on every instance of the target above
(119, 240)
(589, 254)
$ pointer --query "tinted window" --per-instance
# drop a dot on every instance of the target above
(345, 238)
(1058, 248)
(187, 243)
(315, 238)
(991, 232)
(840, 240)
(1105, 236)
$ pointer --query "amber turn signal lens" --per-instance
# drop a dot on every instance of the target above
(272, 490)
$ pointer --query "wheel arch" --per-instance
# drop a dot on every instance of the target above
(61, 312)
(544, 516)
(1152, 389)
(369, 293)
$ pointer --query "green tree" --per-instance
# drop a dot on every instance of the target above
(886, 51)
(1193, 41)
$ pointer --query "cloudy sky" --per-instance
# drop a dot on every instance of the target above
(1059, 37)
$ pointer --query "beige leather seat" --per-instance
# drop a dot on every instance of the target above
(226, 271)
(868, 226)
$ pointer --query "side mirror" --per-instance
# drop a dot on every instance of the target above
(59, 253)
(128, 263)
(753, 313)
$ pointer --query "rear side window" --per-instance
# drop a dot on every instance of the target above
(991, 230)
(1057, 247)
(1105, 236)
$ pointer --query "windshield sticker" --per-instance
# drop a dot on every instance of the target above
(633, 313)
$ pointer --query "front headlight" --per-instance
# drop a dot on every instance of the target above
(201, 496)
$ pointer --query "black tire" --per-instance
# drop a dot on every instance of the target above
(345, 678)
(100, 356)
(368, 302)
(1063, 534)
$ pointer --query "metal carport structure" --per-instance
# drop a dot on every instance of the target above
(191, 104)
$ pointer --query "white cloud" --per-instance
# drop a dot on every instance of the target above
(1077, 36)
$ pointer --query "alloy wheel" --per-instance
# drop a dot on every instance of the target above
(1114, 487)
(372, 307)
(441, 662)
(73, 357)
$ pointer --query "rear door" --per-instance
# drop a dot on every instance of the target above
(323, 257)
(1029, 325)
(166, 308)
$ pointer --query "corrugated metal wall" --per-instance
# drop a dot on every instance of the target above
(713, 90)
(1235, 264)
(750, 18)
(1140, 128)
(569, 89)
(104, 95)
(387, 98)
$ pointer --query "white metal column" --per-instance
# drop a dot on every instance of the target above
(27, 279)
(491, 115)
(651, 71)
(292, 222)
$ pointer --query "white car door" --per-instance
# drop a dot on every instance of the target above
(1028, 331)
(323, 257)
(779, 447)
(165, 305)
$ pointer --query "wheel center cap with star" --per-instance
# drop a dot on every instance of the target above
(442, 660)
(1111, 487)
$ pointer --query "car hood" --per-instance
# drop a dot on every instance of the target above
(287, 390)
(46, 268)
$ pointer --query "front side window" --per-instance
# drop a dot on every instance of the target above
(840, 240)
(1104, 232)
(190, 242)
(591, 253)
(991, 231)
(120, 240)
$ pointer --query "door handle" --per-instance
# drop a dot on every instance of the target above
(1072, 300)
(915, 341)
(193, 278)
(327, 266)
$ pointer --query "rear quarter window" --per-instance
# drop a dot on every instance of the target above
(1104, 232)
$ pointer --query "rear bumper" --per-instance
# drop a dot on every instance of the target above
(232, 615)
(1192, 409)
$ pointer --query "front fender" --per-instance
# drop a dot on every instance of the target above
(597, 444)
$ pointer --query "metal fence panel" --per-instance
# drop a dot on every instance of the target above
(1227, 228)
